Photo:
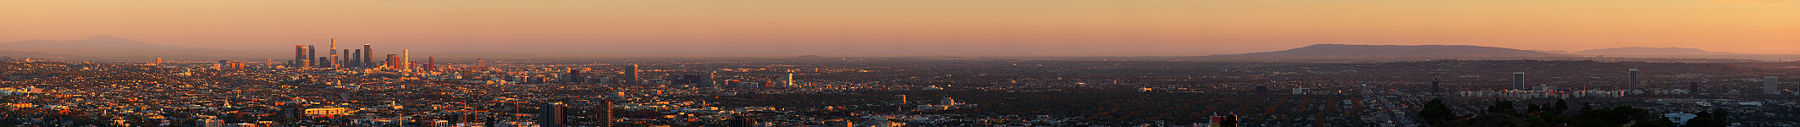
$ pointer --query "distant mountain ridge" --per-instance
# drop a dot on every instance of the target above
(28, 54)
(1398, 51)
(103, 46)
(1650, 51)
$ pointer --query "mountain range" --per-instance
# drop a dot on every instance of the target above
(1649, 51)
(1398, 51)
(100, 46)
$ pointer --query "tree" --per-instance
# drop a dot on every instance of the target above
(1715, 118)
(1533, 108)
(1503, 106)
(1722, 114)
(1436, 112)
(1587, 107)
(1230, 121)
(1560, 106)
(1706, 122)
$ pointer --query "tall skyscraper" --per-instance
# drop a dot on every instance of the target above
(429, 60)
(312, 52)
(299, 55)
(710, 79)
(1518, 79)
(606, 108)
(1435, 88)
(355, 59)
(1262, 89)
(1694, 87)
(1769, 83)
(634, 75)
(393, 62)
(575, 75)
(323, 62)
(406, 59)
(367, 53)
(343, 61)
(790, 79)
(553, 114)
(333, 61)
(1633, 83)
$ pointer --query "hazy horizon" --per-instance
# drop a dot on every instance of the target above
(912, 28)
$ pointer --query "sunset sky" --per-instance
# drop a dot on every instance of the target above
(913, 27)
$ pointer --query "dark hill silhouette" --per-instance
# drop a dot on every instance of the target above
(39, 55)
(104, 46)
(1649, 51)
(1398, 51)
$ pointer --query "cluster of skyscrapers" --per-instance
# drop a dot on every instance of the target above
(308, 56)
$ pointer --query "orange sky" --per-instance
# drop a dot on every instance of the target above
(914, 27)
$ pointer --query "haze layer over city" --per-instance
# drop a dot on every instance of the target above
(927, 63)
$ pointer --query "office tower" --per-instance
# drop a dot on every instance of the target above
(634, 74)
(355, 59)
(1262, 89)
(790, 79)
(1435, 88)
(710, 79)
(311, 53)
(324, 62)
(1694, 87)
(1518, 79)
(350, 58)
(299, 55)
(158, 61)
(552, 114)
(740, 121)
(333, 60)
(267, 62)
(342, 61)
(429, 60)
(608, 122)
(1769, 83)
(690, 79)
(406, 59)
(574, 75)
(367, 53)
(345, 62)
(393, 62)
(1633, 83)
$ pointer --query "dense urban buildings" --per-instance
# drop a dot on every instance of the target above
(871, 91)
(875, 91)
(900, 63)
